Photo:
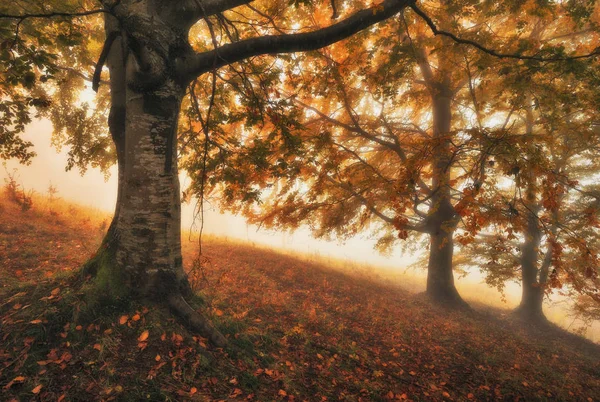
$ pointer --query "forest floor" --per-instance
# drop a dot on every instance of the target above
(297, 331)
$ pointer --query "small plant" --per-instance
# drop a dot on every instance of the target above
(16, 192)
(52, 191)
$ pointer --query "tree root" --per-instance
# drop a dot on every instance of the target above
(449, 299)
(195, 321)
(530, 315)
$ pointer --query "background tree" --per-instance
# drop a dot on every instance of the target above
(401, 145)
(538, 201)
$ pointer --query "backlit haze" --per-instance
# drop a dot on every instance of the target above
(92, 189)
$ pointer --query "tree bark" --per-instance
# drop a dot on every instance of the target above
(532, 289)
(440, 277)
(140, 256)
(116, 126)
(442, 219)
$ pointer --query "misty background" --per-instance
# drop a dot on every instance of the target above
(92, 189)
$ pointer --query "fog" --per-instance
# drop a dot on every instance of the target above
(93, 189)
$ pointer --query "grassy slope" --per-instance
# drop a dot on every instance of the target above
(298, 331)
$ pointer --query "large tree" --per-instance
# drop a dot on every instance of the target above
(152, 59)
(151, 63)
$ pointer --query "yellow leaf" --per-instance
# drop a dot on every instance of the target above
(144, 336)
(123, 319)
(37, 389)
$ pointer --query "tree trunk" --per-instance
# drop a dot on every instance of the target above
(141, 254)
(532, 291)
(442, 220)
(116, 126)
(440, 277)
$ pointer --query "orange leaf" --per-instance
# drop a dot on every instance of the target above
(123, 319)
(35, 321)
(157, 358)
(18, 379)
(136, 317)
(193, 390)
(282, 393)
(37, 389)
(98, 346)
(144, 336)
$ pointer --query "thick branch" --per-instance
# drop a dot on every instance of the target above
(185, 13)
(56, 14)
(274, 44)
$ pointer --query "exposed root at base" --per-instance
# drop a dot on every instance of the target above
(531, 316)
(451, 301)
(195, 321)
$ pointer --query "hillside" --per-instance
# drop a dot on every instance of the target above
(297, 331)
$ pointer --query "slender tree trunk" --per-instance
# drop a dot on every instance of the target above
(532, 293)
(532, 290)
(440, 277)
(442, 219)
